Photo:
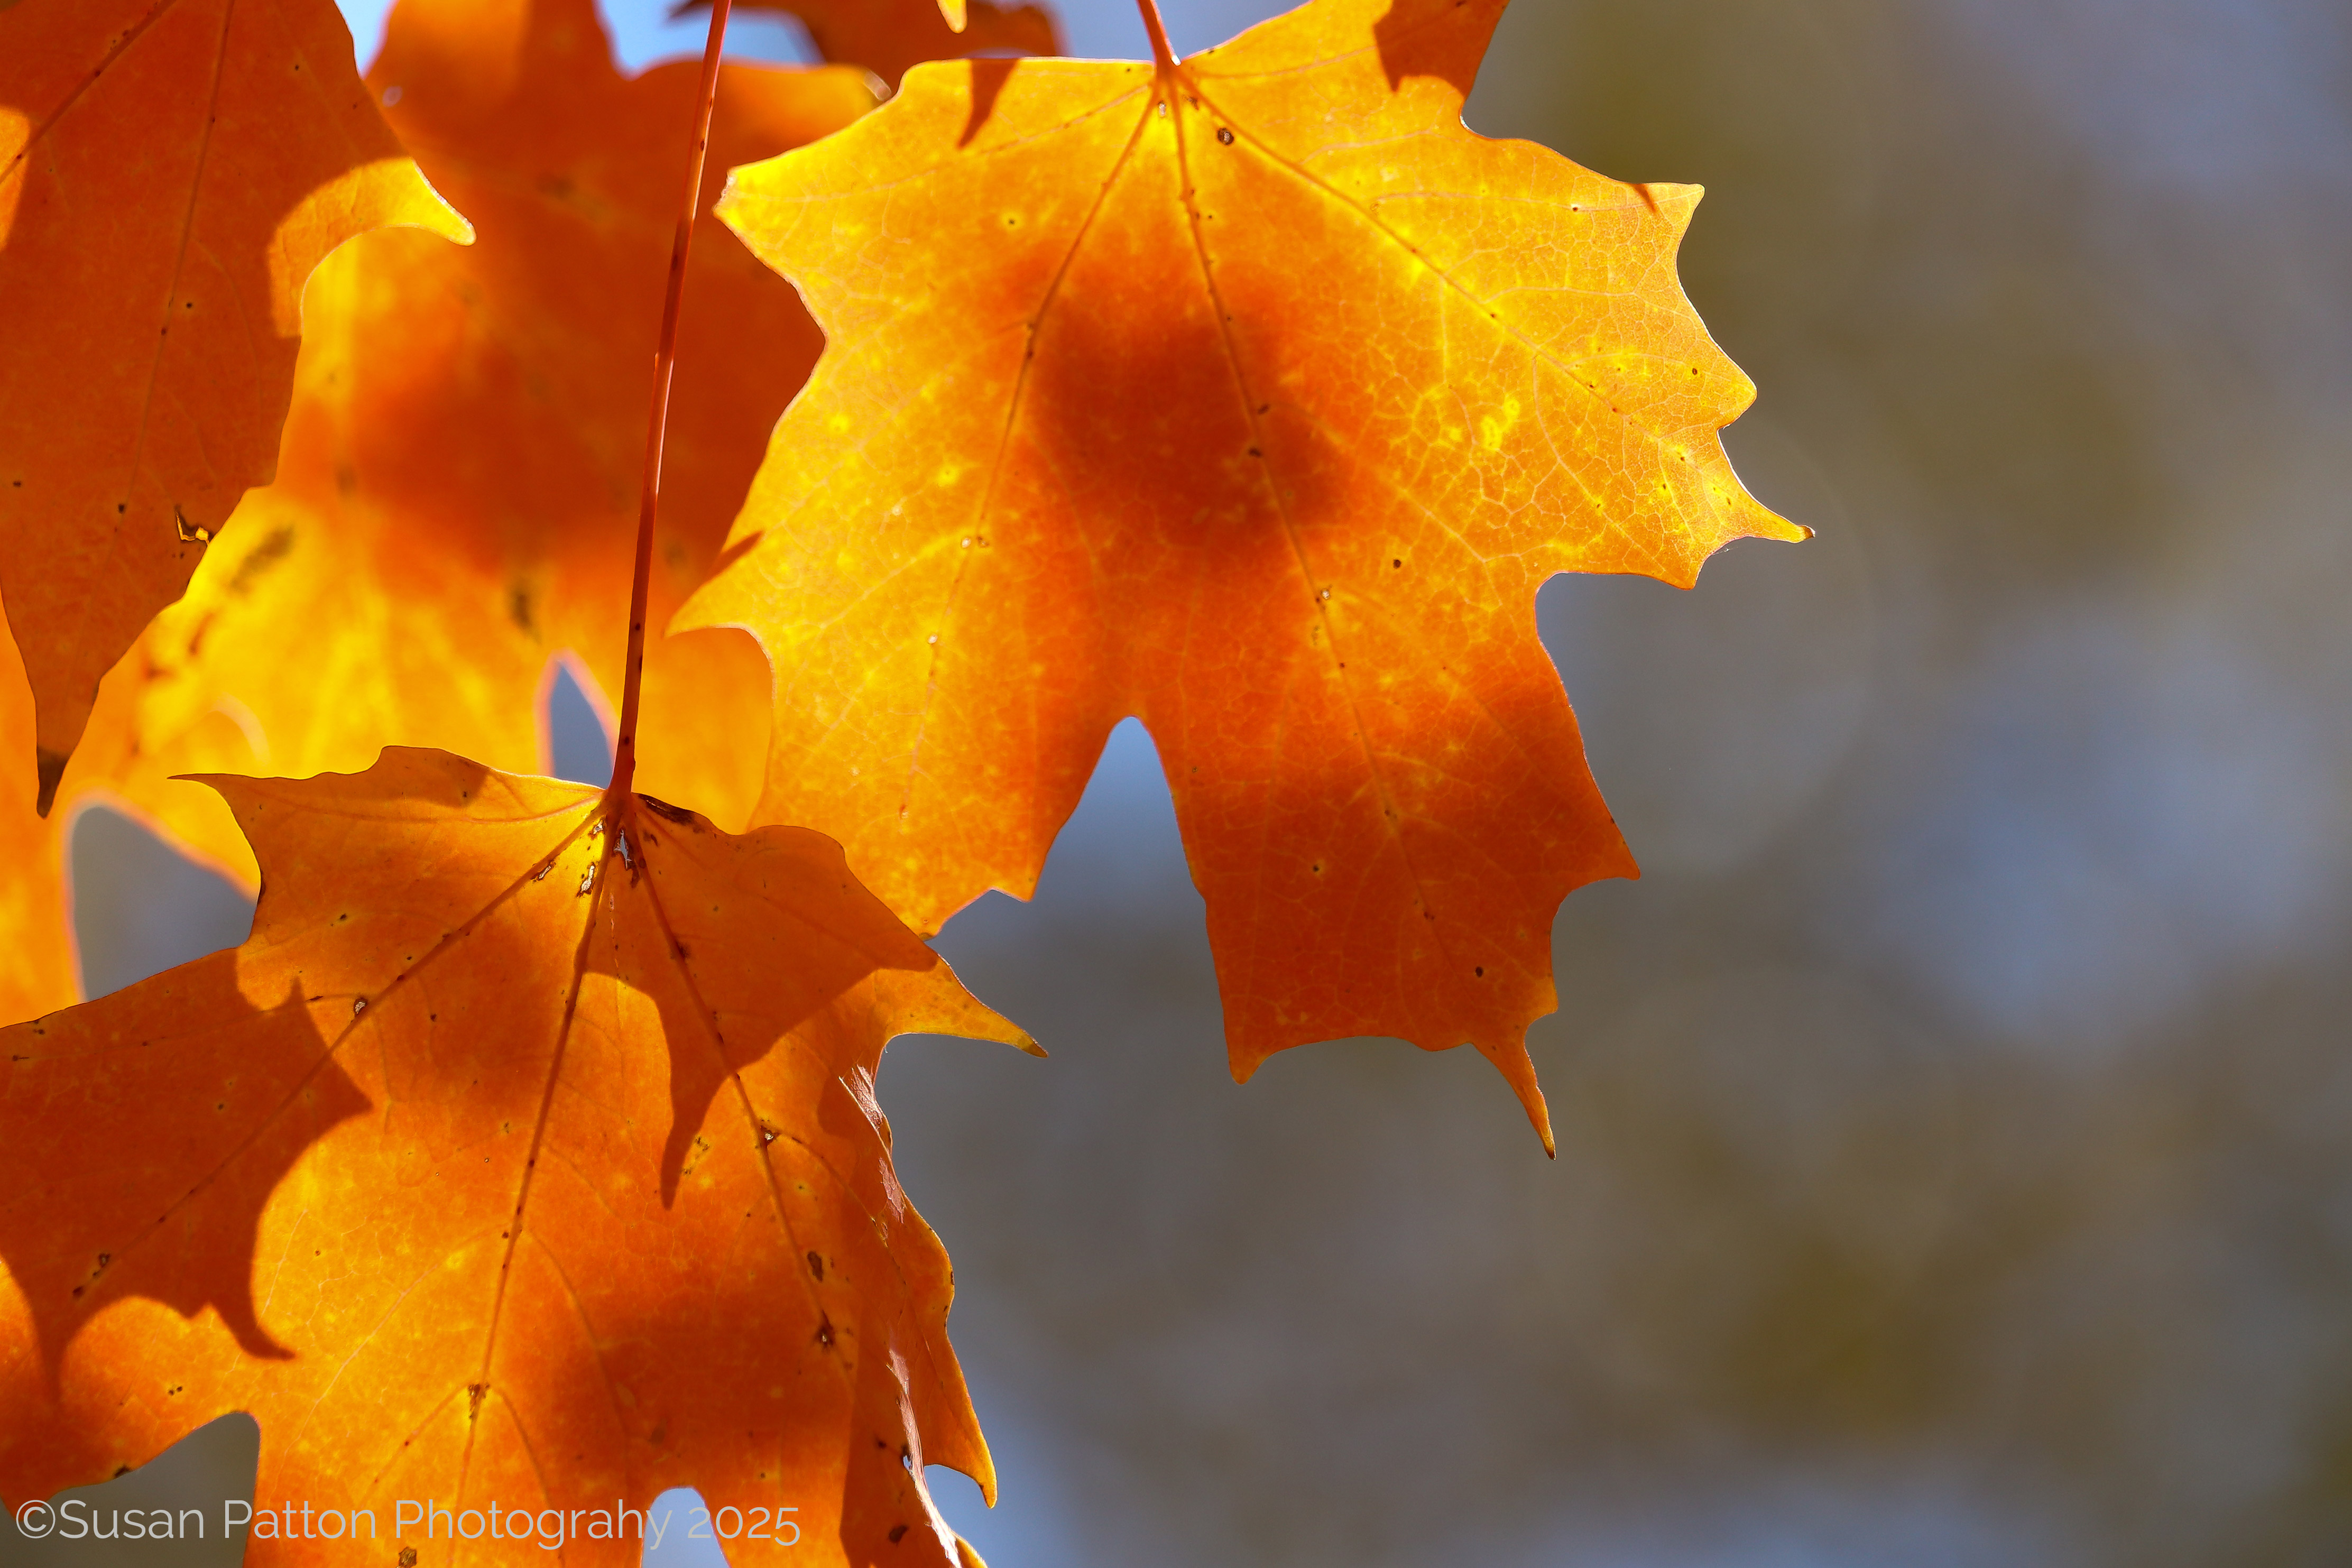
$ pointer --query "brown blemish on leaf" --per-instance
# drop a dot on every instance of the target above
(663, 808)
(275, 546)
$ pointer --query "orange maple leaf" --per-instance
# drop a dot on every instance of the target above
(171, 171)
(888, 36)
(456, 495)
(1255, 396)
(528, 1152)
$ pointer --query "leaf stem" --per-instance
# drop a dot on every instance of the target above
(1161, 52)
(624, 745)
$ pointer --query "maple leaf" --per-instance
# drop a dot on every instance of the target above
(456, 495)
(171, 171)
(528, 1152)
(1254, 396)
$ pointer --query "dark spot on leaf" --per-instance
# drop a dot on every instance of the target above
(1224, 136)
(896, 1531)
(825, 1331)
(408, 1557)
(816, 1266)
(273, 547)
(663, 808)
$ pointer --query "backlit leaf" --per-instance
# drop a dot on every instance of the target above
(528, 1152)
(170, 173)
(1255, 396)
(457, 496)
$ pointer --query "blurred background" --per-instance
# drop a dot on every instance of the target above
(1956, 1121)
